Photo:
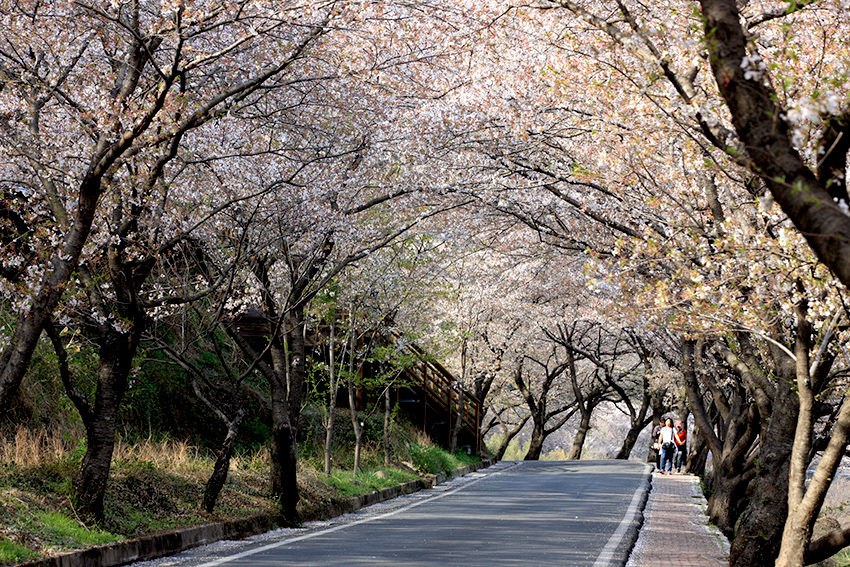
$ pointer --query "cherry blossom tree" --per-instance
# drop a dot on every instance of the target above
(585, 150)
(656, 168)
(96, 105)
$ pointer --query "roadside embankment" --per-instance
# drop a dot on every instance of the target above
(175, 541)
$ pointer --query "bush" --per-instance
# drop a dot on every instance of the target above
(432, 459)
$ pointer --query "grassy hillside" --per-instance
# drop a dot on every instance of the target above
(158, 484)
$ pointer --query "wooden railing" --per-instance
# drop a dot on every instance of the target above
(442, 393)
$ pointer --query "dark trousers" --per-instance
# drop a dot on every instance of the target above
(667, 458)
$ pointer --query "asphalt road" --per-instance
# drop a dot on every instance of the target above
(548, 513)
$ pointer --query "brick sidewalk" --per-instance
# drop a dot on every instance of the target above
(675, 532)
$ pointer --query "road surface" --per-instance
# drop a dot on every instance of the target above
(547, 513)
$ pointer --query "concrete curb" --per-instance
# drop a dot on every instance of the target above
(621, 556)
(171, 542)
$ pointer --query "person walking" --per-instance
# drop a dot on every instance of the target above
(668, 447)
(680, 438)
(654, 454)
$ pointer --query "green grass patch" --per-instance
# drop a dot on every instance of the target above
(11, 552)
(65, 531)
(433, 460)
(347, 484)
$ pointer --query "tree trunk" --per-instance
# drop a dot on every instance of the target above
(355, 423)
(535, 445)
(727, 501)
(286, 381)
(16, 356)
(284, 453)
(458, 423)
(329, 437)
(581, 435)
(760, 527)
(387, 424)
(116, 358)
(697, 454)
(286, 384)
(630, 441)
(332, 379)
(740, 427)
(509, 436)
(296, 327)
(754, 108)
(657, 412)
(805, 502)
(222, 464)
(637, 420)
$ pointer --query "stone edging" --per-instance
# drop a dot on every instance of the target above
(175, 541)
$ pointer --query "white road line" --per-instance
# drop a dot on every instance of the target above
(343, 526)
(604, 559)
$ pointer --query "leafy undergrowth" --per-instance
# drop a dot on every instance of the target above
(157, 488)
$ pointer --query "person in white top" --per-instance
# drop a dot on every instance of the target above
(668, 447)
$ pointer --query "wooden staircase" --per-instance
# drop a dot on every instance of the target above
(431, 399)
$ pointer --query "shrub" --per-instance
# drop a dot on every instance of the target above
(432, 459)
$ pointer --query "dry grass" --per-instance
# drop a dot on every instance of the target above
(422, 438)
(28, 448)
(259, 460)
(168, 454)
(24, 447)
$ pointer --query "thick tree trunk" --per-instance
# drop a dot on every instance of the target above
(652, 454)
(503, 447)
(222, 464)
(804, 501)
(760, 527)
(116, 357)
(286, 382)
(727, 501)
(754, 109)
(631, 440)
(697, 454)
(509, 436)
(297, 364)
(628, 443)
(535, 445)
(740, 428)
(284, 453)
(637, 422)
(581, 435)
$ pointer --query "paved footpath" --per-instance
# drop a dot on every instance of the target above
(675, 532)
